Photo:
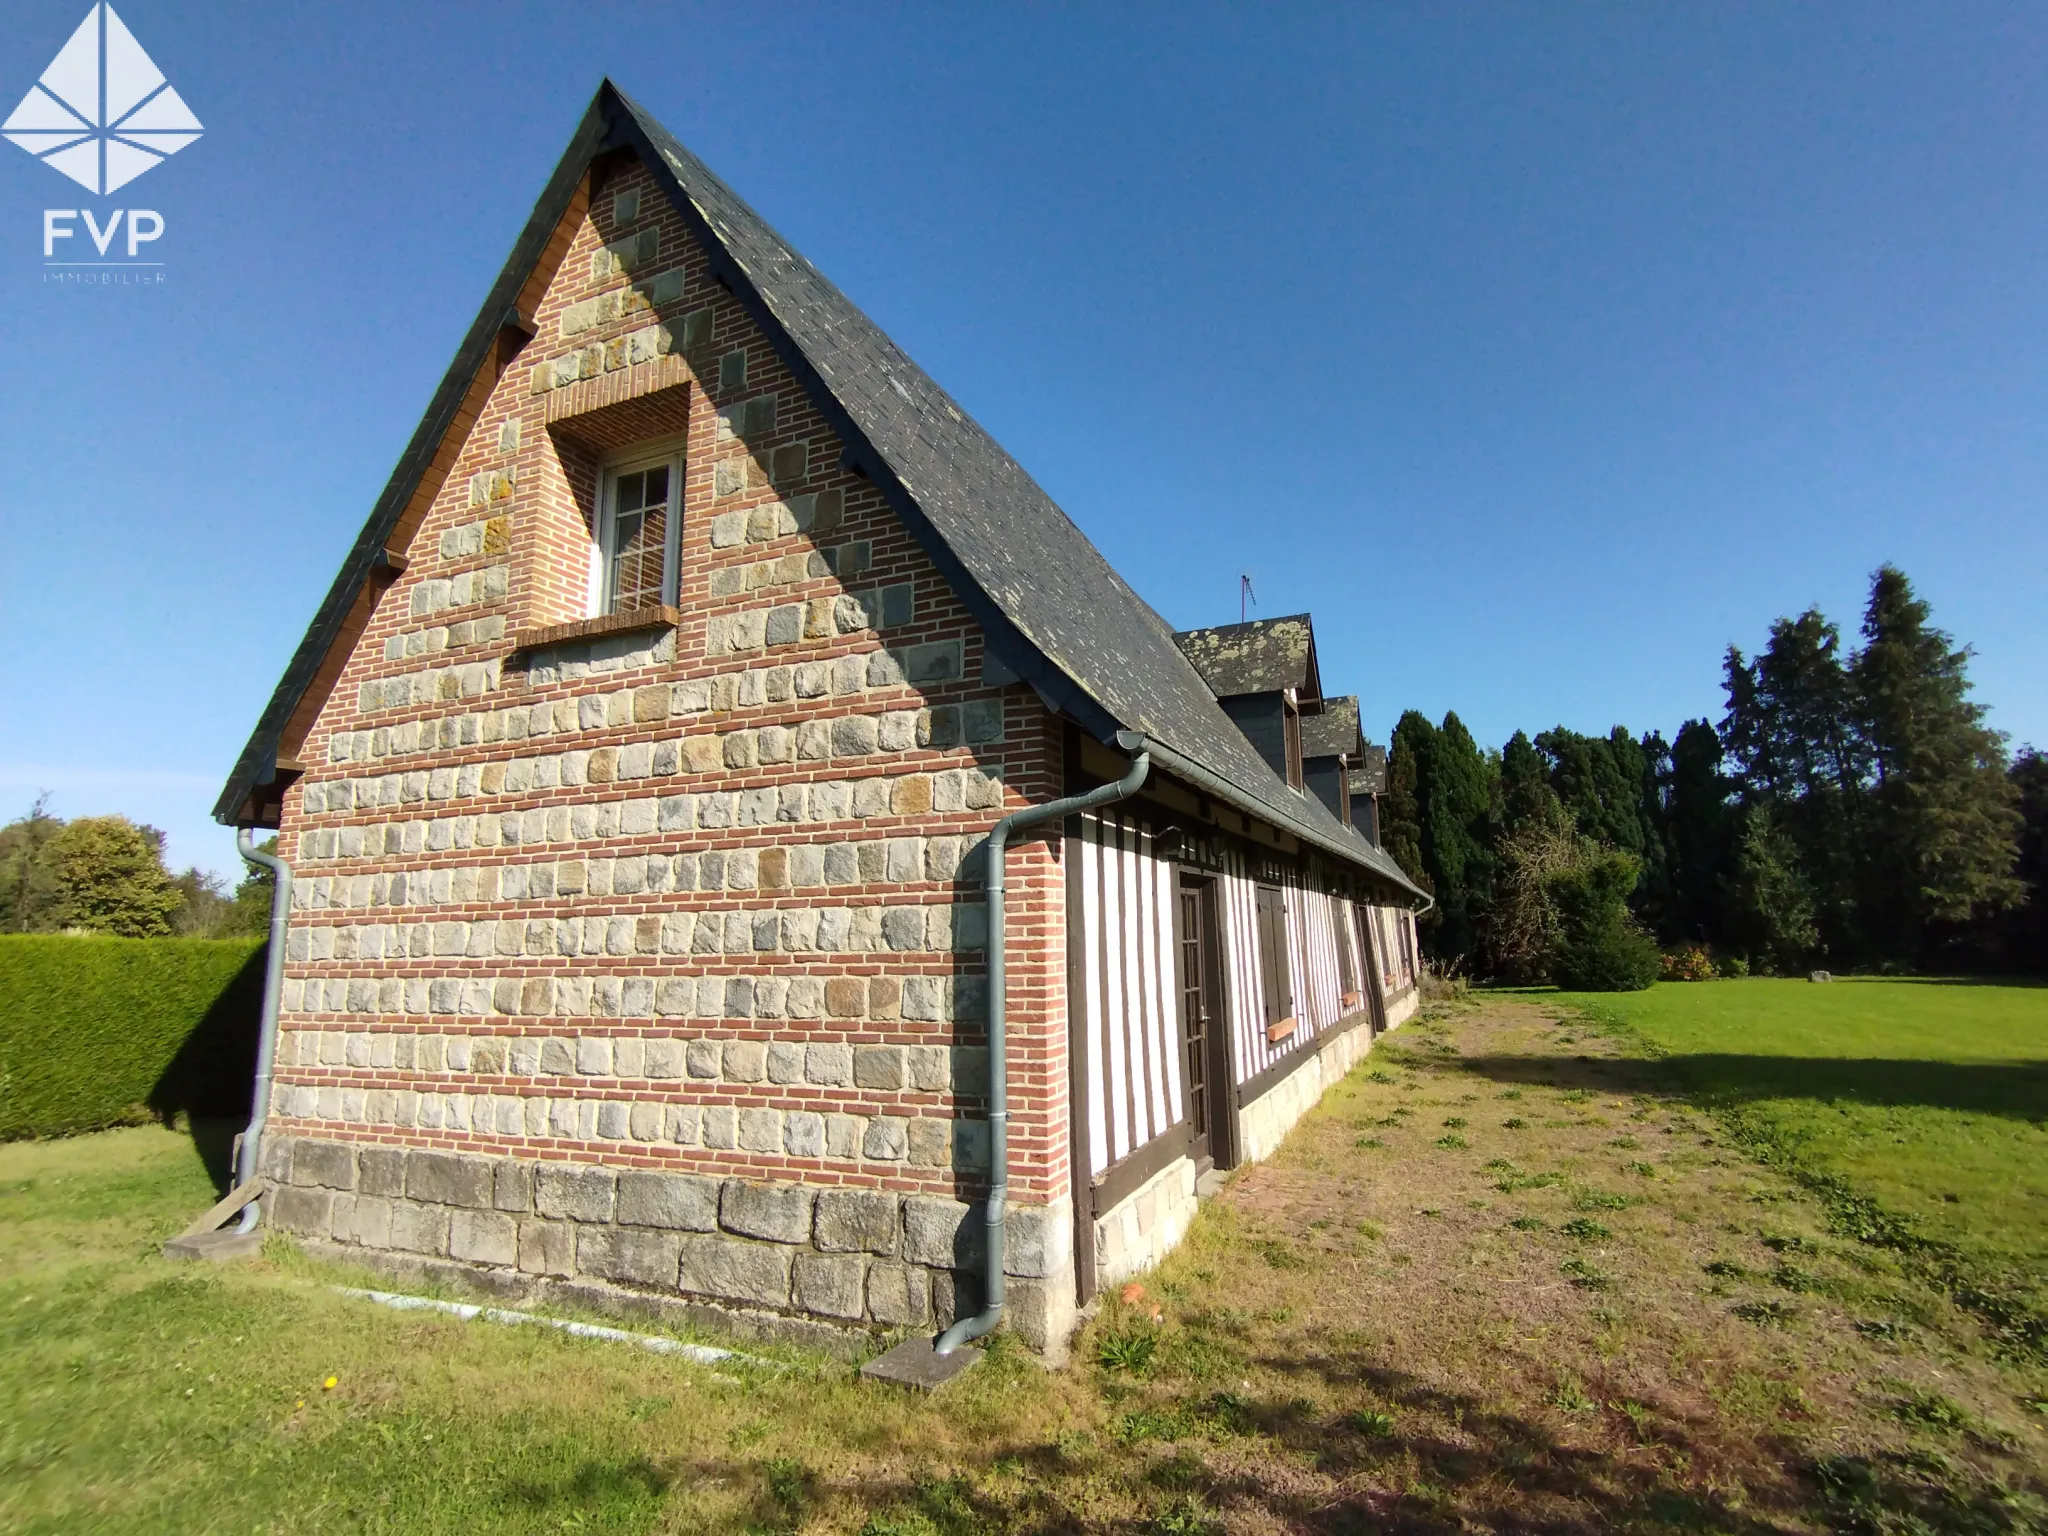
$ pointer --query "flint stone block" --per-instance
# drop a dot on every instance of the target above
(621, 1253)
(678, 1201)
(856, 1220)
(899, 1295)
(779, 1212)
(483, 1237)
(735, 1270)
(446, 1179)
(944, 1234)
(578, 1193)
(303, 1210)
(380, 1171)
(830, 1285)
(547, 1247)
(419, 1228)
(329, 1164)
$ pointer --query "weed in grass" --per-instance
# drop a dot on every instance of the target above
(1599, 1200)
(1380, 1075)
(1638, 1414)
(1186, 1518)
(1512, 1093)
(1514, 1183)
(1883, 1328)
(1371, 1422)
(1575, 1095)
(1571, 1397)
(1153, 1423)
(1372, 1231)
(1726, 1269)
(1278, 1254)
(1587, 1277)
(1791, 1277)
(792, 1486)
(1778, 1243)
(1527, 1224)
(1128, 1351)
(1585, 1229)
(1625, 1143)
(1369, 1143)
(1226, 1413)
(1930, 1410)
(1454, 1122)
(1766, 1314)
(1514, 1123)
(1452, 1142)
(1640, 1170)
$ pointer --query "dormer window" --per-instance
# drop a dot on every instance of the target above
(1291, 726)
(638, 532)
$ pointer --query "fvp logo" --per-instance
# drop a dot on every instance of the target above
(102, 112)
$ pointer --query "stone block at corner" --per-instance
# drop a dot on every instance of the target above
(899, 1295)
(732, 1269)
(483, 1237)
(624, 1253)
(574, 1191)
(302, 1210)
(328, 1164)
(857, 1220)
(680, 1202)
(944, 1234)
(446, 1179)
(1038, 1240)
(830, 1285)
(780, 1213)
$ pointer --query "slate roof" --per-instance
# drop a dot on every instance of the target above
(1259, 656)
(1052, 608)
(1372, 778)
(1334, 732)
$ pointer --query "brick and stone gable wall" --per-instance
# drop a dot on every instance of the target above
(700, 900)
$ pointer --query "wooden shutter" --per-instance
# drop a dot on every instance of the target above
(1275, 975)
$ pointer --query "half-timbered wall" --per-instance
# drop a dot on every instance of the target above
(1126, 998)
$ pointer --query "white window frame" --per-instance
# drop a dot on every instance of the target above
(628, 461)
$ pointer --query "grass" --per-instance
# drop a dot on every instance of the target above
(1349, 1339)
(1926, 1101)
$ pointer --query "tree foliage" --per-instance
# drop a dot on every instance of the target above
(105, 874)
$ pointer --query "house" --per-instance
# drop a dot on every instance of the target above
(637, 774)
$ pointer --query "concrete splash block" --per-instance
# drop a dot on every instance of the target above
(914, 1363)
(215, 1247)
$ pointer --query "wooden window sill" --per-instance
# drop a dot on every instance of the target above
(1280, 1031)
(630, 622)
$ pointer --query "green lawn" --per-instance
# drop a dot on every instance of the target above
(1929, 1097)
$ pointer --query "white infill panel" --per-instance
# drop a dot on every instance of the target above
(1132, 1026)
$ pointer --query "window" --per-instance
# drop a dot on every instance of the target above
(1276, 979)
(1347, 965)
(639, 520)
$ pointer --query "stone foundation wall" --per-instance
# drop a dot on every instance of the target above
(1138, 1231)
(1264, 1123)
(756, 1253)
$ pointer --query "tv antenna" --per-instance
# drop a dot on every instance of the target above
(1245, 595)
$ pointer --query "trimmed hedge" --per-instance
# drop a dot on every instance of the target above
(99, 1031)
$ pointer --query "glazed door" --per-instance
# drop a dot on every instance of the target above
(1203, 1032)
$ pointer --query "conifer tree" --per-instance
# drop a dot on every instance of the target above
(1457, 803)
(1526, 797)
(1944, 818)
(1408, 755)
(1696, 832)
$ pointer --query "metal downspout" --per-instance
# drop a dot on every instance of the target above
(999, 836)
(266, 1040)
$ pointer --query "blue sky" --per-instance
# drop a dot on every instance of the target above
(1540, 352)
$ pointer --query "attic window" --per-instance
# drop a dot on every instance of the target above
(634, 564)
(1291, 725)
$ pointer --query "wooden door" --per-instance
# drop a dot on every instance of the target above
(1204, 1030)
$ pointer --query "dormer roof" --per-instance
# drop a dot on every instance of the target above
(1259, 656)
(1334, 732)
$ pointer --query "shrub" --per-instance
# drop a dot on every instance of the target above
(1689, 964)
(1599, 948)
(101, 1031)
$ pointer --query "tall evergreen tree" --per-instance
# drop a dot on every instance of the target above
(1457, 841)
(1944, 819)
(1526, 797)
(1408, 754)
(31, 887)
(1696, 833)
(1654, 902)
(1600, 781)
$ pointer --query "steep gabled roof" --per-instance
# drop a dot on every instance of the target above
(1372, 778)
(1333, 733)
(1053, 610)
(1258, 656)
